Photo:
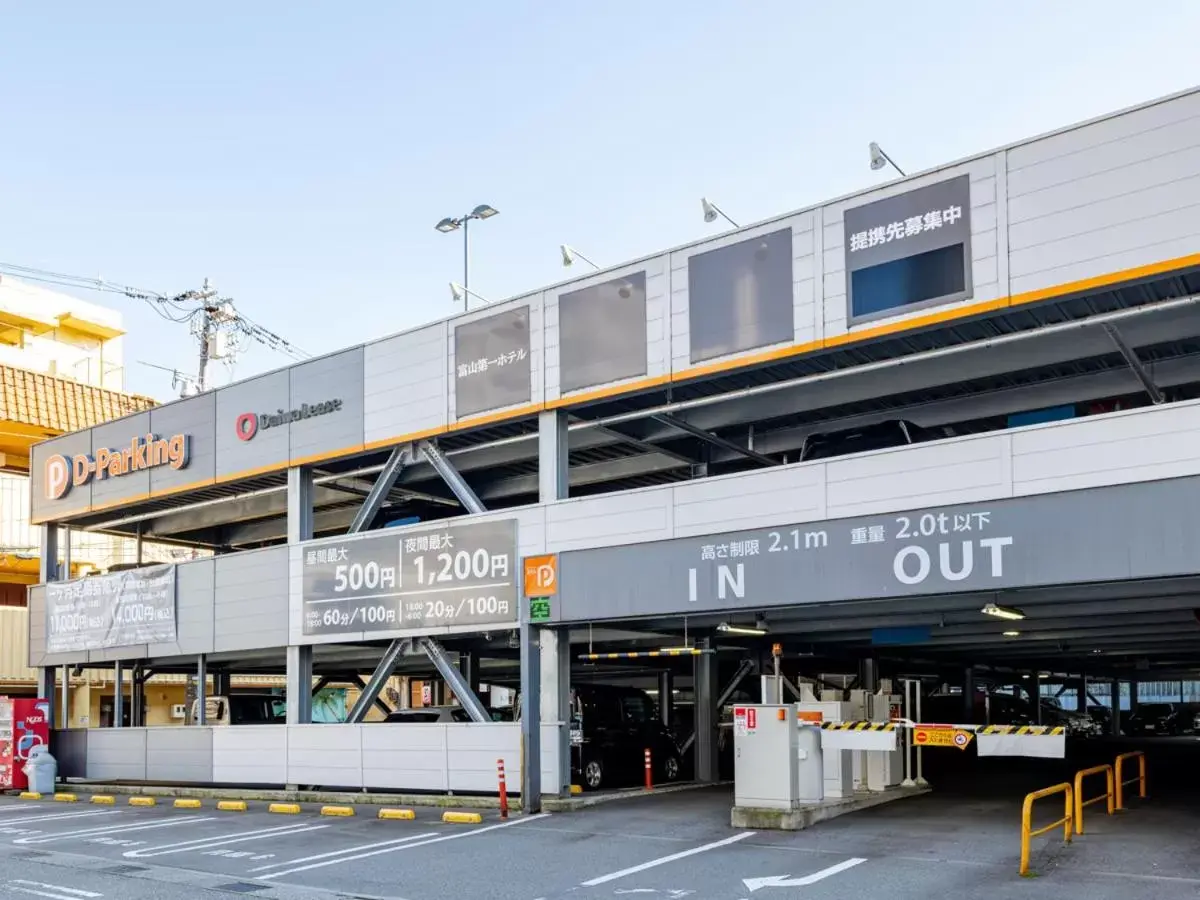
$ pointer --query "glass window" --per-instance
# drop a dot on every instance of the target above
(913, 279)
(460, 715)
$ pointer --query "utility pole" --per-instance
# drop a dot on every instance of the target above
(206, 329)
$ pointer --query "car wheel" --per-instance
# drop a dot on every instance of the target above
(593, 775)
(671, 768)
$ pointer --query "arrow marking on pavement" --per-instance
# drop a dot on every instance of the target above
(753, 884)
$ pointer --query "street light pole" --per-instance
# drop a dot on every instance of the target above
(466, 254)
(482, 211)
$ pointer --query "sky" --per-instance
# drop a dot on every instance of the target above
(298, 154)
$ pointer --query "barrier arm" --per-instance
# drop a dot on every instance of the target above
(1027, 832)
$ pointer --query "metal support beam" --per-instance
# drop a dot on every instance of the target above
(378, 702)
(1134, 363)
(463, 491)
(553, 456)
(378, 679)
(666, 699)
(66, 553)
(745, 668)
(299, 684)
(118, 694)
(137, 695)
(202, 689)
(65, 718)
(646, 446)
(454, 678)
(48, 550)
(715, 440)
(468, 666)
(320, 685)
(969, 694)
(531, 719)
(706, 716)
(45, 691)
(555, 683)
(378, 495)
(299, 504)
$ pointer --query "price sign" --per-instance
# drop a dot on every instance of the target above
(416, 578)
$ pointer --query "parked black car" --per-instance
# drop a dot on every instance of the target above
(611, 728)
(1153, 718)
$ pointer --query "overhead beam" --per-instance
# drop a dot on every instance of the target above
(645, 446)
(716, 440)
(1134, 363)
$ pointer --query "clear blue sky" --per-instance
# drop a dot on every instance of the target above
(299, 153)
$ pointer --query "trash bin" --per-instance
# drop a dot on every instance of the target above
(41, 769)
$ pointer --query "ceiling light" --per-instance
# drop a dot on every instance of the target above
(1026, 677)
(1002, 612)
(741, 629)
(1012, 634)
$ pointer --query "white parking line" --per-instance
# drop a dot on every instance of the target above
(436, 840)
(48, 817)
(112, 829)
(221, 840)
(663, 860)
(29, 887)
(392, 842)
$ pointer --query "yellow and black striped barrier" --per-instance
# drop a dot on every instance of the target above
(858, 726)
(1023, 729)
(645, 654)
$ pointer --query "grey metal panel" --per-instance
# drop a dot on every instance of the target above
(269, 446)
(602, 333)
(109, 654)
(179, 754)
(250, 605)
(337, 377)
(36, 601)
(116, 753)
(493, 362)
(1051, 539)
(194, 417)
(740, 297)
(406, 383)
(69, 746)
(193, 610)
(117, 436)
(250, 754)
(76, 499)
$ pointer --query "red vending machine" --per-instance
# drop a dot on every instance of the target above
(24, 724)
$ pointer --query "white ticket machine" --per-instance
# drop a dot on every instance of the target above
(885, 768)
(838, 765)
(776, 761)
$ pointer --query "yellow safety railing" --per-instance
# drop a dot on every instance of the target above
(1028, 833)
(1140, 779)
(1080, 803)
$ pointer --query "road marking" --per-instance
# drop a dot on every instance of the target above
(753, 884)
(28, 887)
(112, 829)
(391, 843)
(221, 840)
(409, 846)
(46, 817)
(663, 860)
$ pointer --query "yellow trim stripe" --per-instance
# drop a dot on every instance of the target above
(939, 317)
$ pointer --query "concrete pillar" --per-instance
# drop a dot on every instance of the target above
(706, 715)
(531, 719)
(556, 701)
(553, 462)
(299, 684)
(666, 697)
(299, 504)
(202, 689)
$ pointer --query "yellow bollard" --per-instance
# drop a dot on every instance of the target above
(1027, 813)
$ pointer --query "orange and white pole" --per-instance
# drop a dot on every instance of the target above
(649, 771)
(503, 789)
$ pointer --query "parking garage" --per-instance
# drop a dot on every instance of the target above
(838, 503)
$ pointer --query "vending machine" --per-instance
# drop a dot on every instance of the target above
(24, 724)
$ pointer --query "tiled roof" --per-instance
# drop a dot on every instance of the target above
(61, 404)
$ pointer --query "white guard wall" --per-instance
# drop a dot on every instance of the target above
(457, 757)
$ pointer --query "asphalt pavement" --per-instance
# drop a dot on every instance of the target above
(961, 840)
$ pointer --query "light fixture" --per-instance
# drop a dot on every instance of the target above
(1012, 634)
(1026, 677)
(677, 650)
(483, 211)
(452, 223)
(742, 629)
(879, 159)
(461, 294)
(447, 225)
(1002, 612)
(569, 253)
(712, 212)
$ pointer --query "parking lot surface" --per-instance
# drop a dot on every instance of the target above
(959, 841)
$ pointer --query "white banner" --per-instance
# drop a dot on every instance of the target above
(1041, 746)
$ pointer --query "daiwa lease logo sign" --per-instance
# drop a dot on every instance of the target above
(248, 424)
(144, 452)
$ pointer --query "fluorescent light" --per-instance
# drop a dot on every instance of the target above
(676, 649)
(1012, 634)
(741, 629)
(1002, 612)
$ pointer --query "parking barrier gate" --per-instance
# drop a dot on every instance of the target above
(1027, 833)
(1108, 794)
(1141, 776)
